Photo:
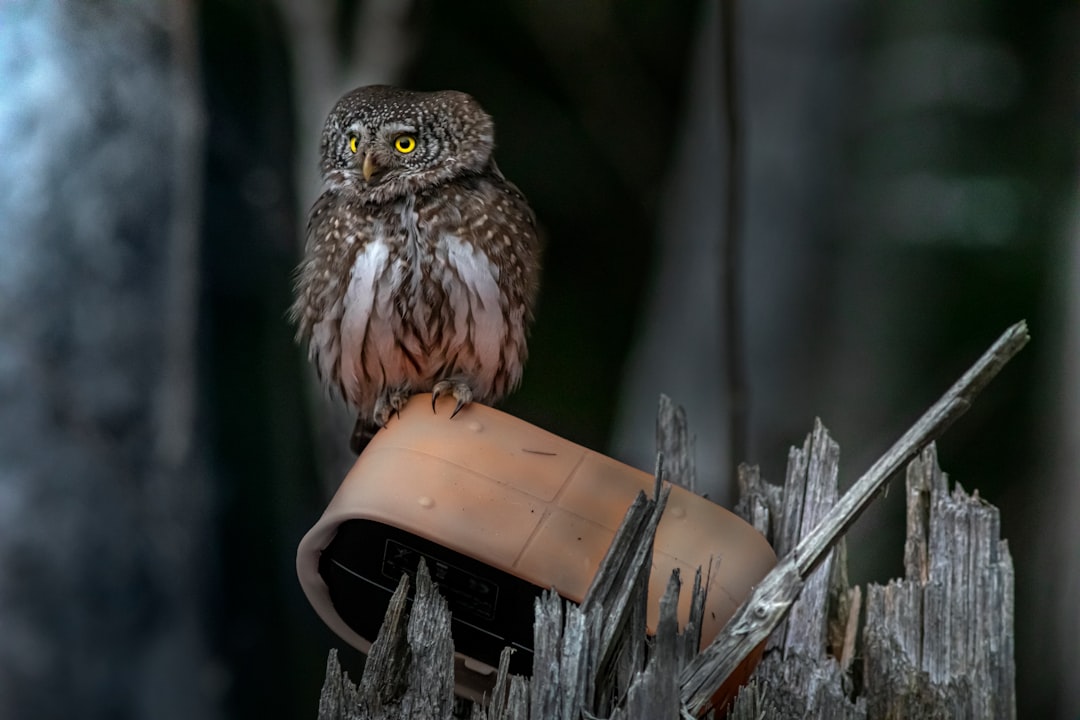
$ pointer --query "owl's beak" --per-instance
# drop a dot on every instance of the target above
(369, 168)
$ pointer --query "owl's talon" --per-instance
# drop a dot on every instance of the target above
(389, 404)
(459, 389)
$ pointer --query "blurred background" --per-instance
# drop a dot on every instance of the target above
(909, 189)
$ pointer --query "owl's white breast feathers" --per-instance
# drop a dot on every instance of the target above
(475, 289)
(378, 345)
(360, 300)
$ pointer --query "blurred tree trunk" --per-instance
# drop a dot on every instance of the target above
(1053, 517)
(104, 500)
(790, 56)
(678, 348)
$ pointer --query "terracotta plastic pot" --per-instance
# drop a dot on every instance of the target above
(501, 510)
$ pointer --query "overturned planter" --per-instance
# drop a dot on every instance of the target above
(501, 510)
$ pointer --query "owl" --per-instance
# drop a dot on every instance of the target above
(421, 263)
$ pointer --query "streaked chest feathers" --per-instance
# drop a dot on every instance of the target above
(420, 305)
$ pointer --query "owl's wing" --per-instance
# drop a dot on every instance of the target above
(515, 212)
(334, 234)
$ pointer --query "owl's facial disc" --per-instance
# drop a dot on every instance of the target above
(383, 143)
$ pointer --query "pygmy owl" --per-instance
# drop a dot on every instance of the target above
(421, 262)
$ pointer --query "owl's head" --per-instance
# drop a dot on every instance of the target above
(382, 142)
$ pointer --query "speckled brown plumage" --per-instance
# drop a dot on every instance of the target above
(421, 264)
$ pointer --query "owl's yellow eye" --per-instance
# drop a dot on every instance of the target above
(352, 143)
(405, 144)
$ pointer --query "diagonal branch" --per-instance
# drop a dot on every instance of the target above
(928, 428)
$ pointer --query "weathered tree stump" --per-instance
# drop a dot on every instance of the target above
(937, 644)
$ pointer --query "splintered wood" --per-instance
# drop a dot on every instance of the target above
(939, 643)
(410, 670)
(769, 602)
